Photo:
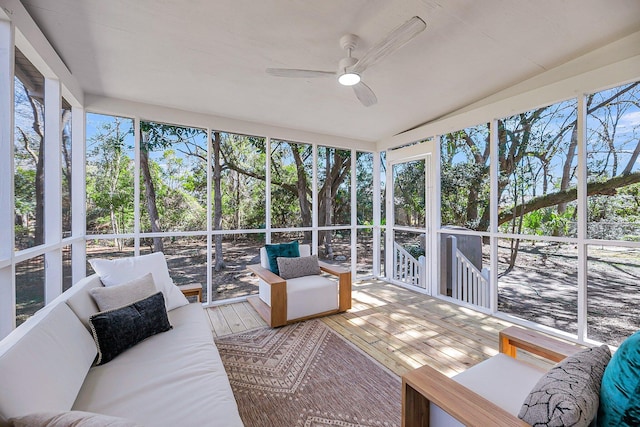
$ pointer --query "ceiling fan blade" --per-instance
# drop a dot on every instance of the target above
(290, 72)
(365, 94)
(394, 41)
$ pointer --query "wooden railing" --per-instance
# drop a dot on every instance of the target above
(468, 283)
(407, 269)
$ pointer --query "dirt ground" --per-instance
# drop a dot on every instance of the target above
(542, 287)
(187, 260)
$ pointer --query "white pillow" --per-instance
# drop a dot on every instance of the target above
(125, 294)
(114, 272)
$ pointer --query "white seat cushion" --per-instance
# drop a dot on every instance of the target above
(500, 379)
(175, 378)
(306, 296)
(309, 295)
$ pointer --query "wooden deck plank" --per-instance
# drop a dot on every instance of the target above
(218, 321)
(399, 328)
(232, 318)
(243, 310)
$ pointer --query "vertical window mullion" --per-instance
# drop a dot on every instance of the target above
(582, 218)
(78, 191)
(52, 187)
(376, 214)
(354, 215)
(493, 214)
(267, 190)
(7, 274)
(314, 200)
(136, 186)
(209, 283)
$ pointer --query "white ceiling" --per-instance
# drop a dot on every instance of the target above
(209, 56)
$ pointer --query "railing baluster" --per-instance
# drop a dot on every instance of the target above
(468, 283)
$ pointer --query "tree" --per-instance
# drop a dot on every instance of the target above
(533, 145)
(162, 137)
(217, 201)
(30, 104)
(110, 180)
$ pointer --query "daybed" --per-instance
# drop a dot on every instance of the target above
(173, 378)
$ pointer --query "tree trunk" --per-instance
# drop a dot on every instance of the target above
(302, 186)
(150, 197)
(217, 203)
(38, 157)
(327, 206)
(566, 169)
(66, 166)
(236, 217)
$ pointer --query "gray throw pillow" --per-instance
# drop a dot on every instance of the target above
(120, 295)
(117, 330)
(69, 418)
(291, 268)
(569, 394)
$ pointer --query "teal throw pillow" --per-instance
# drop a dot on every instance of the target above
(287, 250)
(620, 389)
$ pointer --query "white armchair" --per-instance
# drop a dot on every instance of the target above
(488, 394)
(280, 302)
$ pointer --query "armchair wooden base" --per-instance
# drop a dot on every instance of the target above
(276, 315)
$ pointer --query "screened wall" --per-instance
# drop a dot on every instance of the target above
(543, 202)
(538, 188)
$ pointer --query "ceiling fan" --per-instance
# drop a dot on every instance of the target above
(350, 69)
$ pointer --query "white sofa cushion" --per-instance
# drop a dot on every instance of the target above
(500, 379)
(127, 293)
(114, 272)
(117, 330)
(44, 363)
(310, 295)
(80, 301)
(306, 296)
(172, 379)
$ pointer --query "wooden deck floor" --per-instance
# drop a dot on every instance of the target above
(400, 328)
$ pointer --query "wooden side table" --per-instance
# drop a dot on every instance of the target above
(192, 290)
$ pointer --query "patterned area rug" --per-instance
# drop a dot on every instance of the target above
(306, 375)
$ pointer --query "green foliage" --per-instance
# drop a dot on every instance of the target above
(464, 178)
(109, 180)
(415, 250)
(25, 195)
(548, 222)
(364, 188)
(409, 193)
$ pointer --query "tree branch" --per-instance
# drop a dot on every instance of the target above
(608, 187)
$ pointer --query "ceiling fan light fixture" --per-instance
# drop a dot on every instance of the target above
(349, 79)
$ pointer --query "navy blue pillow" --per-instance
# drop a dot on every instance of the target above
(117, 330)
(287, 250)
